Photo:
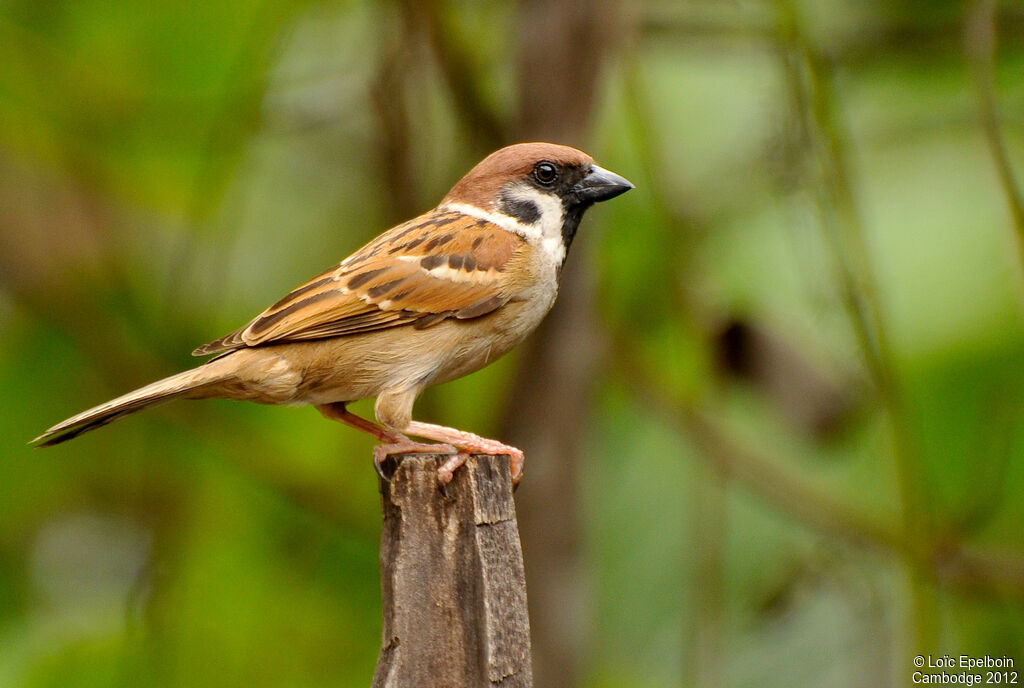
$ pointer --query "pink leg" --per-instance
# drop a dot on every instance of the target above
(341, 414)
(394, 443)
(467, 443)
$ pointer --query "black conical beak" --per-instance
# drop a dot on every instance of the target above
(600, 185)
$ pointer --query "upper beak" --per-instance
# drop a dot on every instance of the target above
(600, 185)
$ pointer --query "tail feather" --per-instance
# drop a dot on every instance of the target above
(183, 384)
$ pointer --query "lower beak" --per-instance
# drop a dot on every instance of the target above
(600, 185)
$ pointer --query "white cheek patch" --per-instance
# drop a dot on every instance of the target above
(503, 221)
(548, 229)
(550, 207)
(546, 232)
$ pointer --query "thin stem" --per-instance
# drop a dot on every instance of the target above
(980, 46)
(821, 121)
(707, 646)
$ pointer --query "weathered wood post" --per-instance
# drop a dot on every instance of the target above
(452, 582)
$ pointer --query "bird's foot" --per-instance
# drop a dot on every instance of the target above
(468, 443)
(404, 445)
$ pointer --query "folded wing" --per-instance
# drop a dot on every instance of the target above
(443, 264)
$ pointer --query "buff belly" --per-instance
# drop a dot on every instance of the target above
(365, 365)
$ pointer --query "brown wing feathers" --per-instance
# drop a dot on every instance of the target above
(440, 265)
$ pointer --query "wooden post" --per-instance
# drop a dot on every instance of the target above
(452, 582)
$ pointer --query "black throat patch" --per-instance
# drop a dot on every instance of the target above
(572, 215)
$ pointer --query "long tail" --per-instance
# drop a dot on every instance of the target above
(184, 384)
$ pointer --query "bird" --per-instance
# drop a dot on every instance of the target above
(427, 301)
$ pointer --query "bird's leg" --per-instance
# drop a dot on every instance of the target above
(393, 442)
(338, 412)
(467, 443)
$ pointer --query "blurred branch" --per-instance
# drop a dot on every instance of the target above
(59, 256)
(785, 489)
(808, 397)
(234, 119)
(562, 49)
(785, 376)
(983, 571)
(980, 46)
(986, 491)
(812, 81)
(483, 122)
(389, 95)
(909, 35)
(76, 284)
(813, 96)
(960, 566)
(268, 466)
(989, 572)
(707, 642)
(683, 231)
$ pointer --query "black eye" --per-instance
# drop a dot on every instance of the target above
(545, 173)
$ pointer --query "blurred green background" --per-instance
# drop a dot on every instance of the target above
(774, 428)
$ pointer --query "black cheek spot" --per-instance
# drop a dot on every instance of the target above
(526, 212)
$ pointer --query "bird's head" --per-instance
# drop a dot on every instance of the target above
(543, 188)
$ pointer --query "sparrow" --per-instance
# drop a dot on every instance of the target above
(428, 301)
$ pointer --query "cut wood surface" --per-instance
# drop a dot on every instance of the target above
(452, 583)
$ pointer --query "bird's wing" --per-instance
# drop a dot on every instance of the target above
(444, 264)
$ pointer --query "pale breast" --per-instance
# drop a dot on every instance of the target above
(362, 366)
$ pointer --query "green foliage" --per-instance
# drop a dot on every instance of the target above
(817, 206)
